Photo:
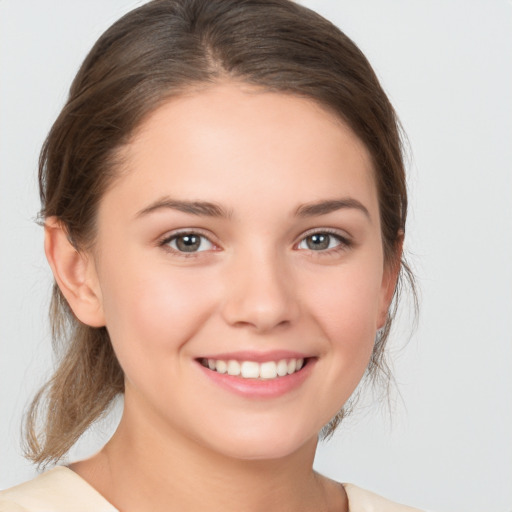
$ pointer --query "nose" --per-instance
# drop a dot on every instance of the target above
(260, 293)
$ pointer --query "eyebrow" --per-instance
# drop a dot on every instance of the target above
(200, 208)
(209, 209)
(329, 206)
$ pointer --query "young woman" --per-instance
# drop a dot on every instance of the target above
(224, 205)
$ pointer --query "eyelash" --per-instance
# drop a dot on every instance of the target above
(164, 243)
(344, 243)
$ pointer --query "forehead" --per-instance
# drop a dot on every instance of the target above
(231, 139)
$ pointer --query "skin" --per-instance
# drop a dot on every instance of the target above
(255, 284)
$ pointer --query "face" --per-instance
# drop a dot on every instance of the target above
(239, 269)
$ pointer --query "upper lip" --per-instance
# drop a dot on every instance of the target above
(259, 357)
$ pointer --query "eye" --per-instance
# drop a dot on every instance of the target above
(188, 243)
(322, 241)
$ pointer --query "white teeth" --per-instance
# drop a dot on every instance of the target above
(221, 366)
(268, 370)
(292, 366)
(282, 368)
(233, 368)
(250, 370)
(253, 370)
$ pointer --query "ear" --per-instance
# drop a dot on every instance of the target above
(74, 273)
(389, 282)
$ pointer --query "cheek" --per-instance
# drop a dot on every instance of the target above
(346, 308)
(152, 312)
(348, 301)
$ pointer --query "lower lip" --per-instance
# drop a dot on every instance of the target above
(259, 388)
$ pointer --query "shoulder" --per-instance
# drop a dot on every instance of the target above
(57, 490)
(361, 500)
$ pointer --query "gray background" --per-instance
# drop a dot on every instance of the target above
(447, 66)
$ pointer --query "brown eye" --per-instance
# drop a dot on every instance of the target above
(189, 242)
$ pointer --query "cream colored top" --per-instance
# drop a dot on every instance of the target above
(62, 490)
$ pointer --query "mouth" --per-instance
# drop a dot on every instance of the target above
(247, 369)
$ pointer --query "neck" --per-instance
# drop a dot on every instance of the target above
(145, 467)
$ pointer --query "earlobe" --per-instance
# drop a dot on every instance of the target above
(74, 273)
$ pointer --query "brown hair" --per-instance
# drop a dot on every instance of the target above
(151, 54)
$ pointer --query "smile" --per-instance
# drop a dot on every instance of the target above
(267, 370)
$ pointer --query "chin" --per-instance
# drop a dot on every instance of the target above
(260, 443)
